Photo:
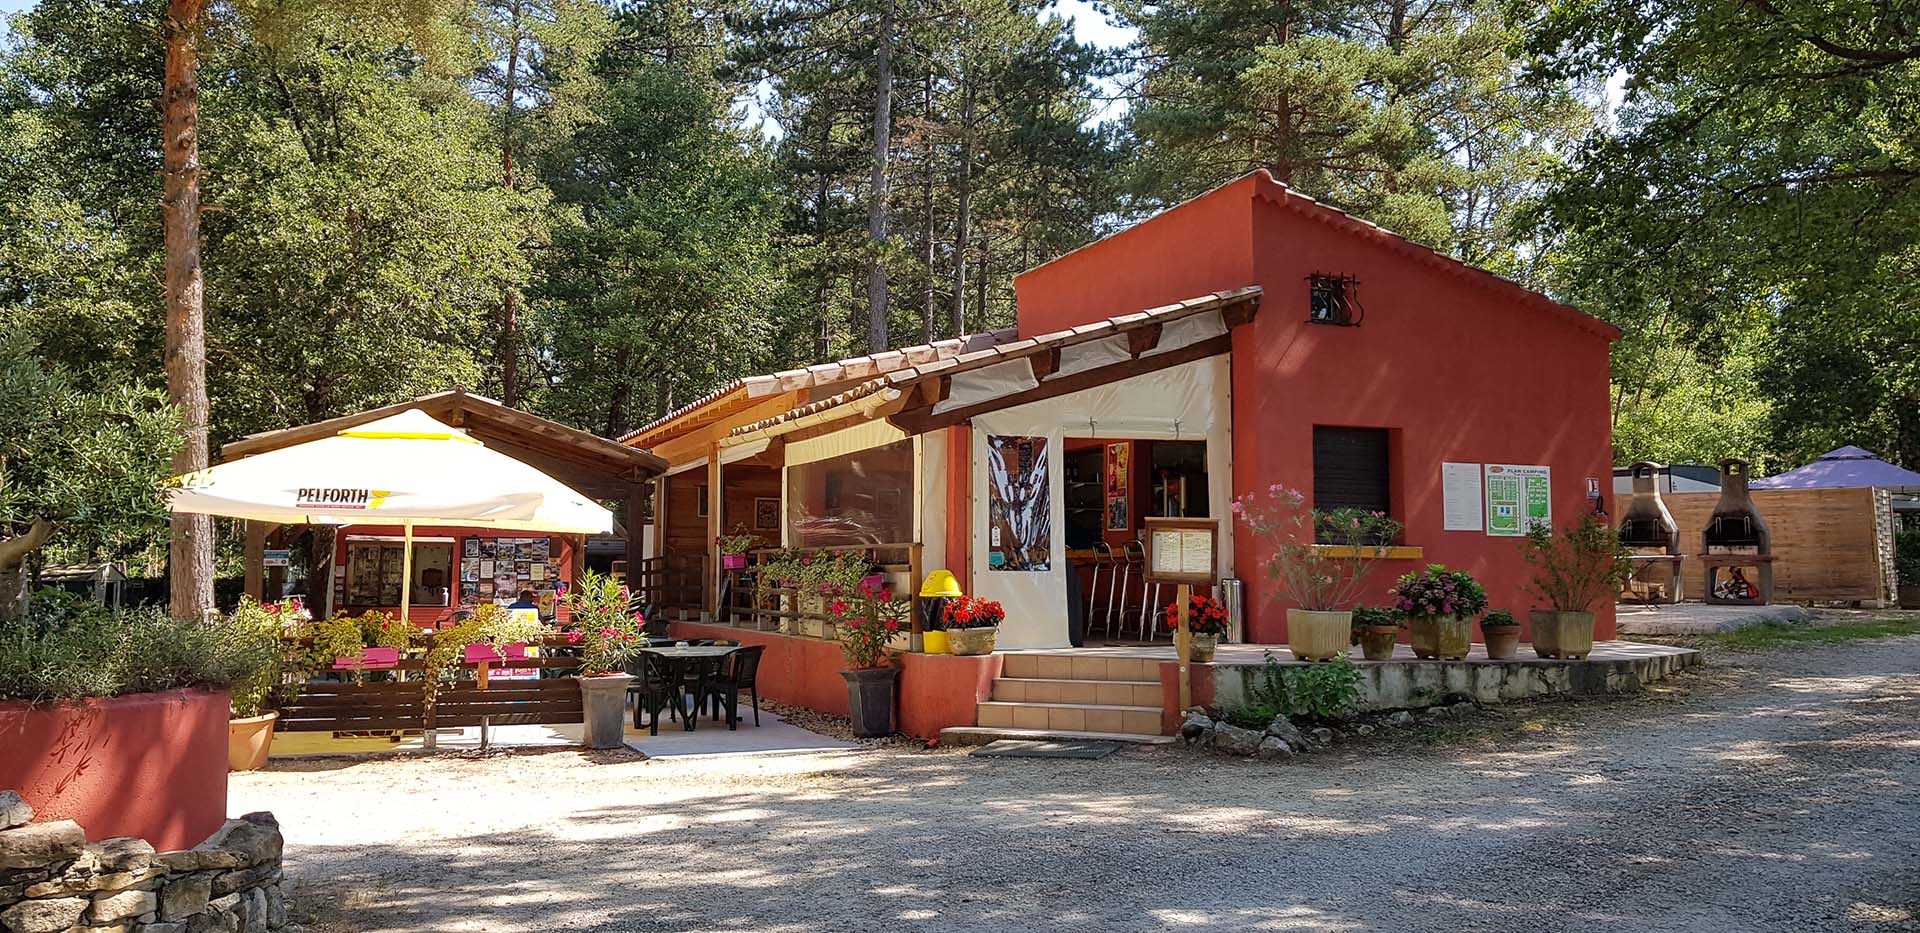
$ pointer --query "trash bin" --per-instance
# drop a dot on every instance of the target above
(936, 591)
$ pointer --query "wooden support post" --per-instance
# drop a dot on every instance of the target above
(715, 501)
(636, 535)
(256, 559)
(1183, 643)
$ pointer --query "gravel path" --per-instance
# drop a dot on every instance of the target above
(1772, 792)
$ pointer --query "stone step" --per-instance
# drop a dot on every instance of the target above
(1070, 717)
(1080, 692)
(1032, 665)
(981, 735)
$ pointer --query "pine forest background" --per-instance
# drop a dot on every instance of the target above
(600, 210)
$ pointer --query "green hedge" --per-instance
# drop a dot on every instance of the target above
(62, 649)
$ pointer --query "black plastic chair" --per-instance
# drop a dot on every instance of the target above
(652, 690)
(736, 674)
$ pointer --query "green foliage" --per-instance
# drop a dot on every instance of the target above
(64, 648)
(1438, 591)
(1499, 618)
(869, 617)
(602, 611)
(1320, 558)
(1368, 616)
(1776, 634)
(1906, 556)
(1323, 692)
(1582, 565)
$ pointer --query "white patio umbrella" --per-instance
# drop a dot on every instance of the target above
(406, 469)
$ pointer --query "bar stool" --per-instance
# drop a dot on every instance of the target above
(1117, 601)
(1136, 552)
(1102, 567)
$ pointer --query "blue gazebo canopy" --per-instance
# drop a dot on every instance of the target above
(1842, 468)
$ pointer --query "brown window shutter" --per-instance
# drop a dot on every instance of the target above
(1350, 469)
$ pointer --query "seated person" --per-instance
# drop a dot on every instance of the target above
(526, 601)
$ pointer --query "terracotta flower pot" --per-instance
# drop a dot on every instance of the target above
(249, 741)
(1316, 635)
(603, 702)
(870, 693)
(1445, 637)
(1562, 634)
(1503, 641)
(1203, 648)
(1377, 642)
(972, 641)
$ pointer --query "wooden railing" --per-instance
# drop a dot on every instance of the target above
(393, 697)
(781, 608)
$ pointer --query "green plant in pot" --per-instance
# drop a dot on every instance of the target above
(1206, 624)
(1378, 630)
(253, 640)
(608, 630)
(972, 624)
(1502, 631)
(867, 622)
(1440, 605)
(734, 547)
(1572, 572)
(1906, 564)
(1320, 559)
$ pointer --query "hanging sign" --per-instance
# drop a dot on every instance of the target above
(273, 558)
(1593, 487)
(1460, 497)
(1182, 550)
(1518, 497)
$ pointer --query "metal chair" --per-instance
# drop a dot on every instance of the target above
(738, 673)
(1133, 554)
(652, 690)
(1102, 561)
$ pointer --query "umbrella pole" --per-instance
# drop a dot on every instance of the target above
(428, 737)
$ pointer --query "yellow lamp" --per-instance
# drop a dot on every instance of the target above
(940, 583)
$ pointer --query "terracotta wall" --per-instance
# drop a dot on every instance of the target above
(1457, 369)
(152, 765)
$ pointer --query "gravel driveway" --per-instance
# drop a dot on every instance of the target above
(1772, 792)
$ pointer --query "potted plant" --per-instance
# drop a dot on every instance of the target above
(1906, 565)
(254, 637)
(1320, 560)
(972, 624)
(867, 622)
(1206, 623)
(1572, 571)
(1378, 629)
(1440, 605)
(1503, 635)
(609, 633)
(734, 547)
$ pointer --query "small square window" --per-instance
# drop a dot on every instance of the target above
(1334, 299)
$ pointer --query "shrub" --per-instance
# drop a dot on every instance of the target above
(1499, 618)
(1319, 558)
(868, 623)
(1436, 592)
(602, 614)
(64, 648)
(1367, 616)
(1906, 556)
(1316, 691)
(1579, 567)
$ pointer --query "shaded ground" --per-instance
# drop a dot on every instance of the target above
(1776, 791)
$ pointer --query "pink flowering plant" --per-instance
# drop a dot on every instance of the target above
(605, 624)
(1437, 592)
(869, 617)
(1320, 558)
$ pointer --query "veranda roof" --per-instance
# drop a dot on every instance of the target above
(1843, 468)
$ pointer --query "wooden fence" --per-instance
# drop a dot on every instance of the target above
(778, 608)
(469, 699)
(1829, 545)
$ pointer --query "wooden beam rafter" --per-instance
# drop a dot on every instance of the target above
(1142, 339)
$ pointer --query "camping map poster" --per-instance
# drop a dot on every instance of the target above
(1519, 497)
(1019, 504)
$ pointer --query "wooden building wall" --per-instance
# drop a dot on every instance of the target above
(1829, 545)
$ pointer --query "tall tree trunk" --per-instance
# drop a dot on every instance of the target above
(927, 309)
(963, 210)
(622, 396)
(14, 554)
(190, 554)
(877, 198)
(980, 287)
(509, 349)
(663, 394)
(319, 584)
(823, 339)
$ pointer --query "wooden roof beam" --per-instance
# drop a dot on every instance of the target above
(1142, 339)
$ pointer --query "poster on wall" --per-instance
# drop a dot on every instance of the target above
(1019, 504)
(1119, 516)
(1460, 497)
(1518, 498)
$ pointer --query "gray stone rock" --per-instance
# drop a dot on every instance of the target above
(1362, 729)
(286, 888)
(1273, 747)
(276, 908)
(1321, 736)
(1399, 719)
(1196, 727)
(214, 921)
(195, 860)
(37, 845)
(254, 920)
(122, 853)
(1464, 708)
(226, 902)
(52, 915)
(13, 810)
(1234, 740)
(1282, 728)
(185, 896)
(122, 905)
(165, 927)
(241, 879)
(249, 840)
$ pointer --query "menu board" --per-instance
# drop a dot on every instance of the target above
(1182, 550)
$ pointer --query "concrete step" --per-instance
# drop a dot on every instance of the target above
(1081, 692)
(1070, 717)
(981, 735)
(1040, 665)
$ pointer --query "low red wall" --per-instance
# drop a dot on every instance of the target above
(1200, 676)
(152, 765)
(936, 690)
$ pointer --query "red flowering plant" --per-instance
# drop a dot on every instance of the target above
(1205, 615)
(973, 612)
(869, 618)
(605, 624)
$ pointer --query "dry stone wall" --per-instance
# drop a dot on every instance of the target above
(52, 880)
